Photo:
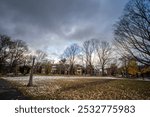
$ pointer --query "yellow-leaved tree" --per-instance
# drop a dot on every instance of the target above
(133, 67)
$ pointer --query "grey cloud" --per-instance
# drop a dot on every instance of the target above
(53, 24)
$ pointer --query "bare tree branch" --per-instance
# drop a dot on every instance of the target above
(132, 32)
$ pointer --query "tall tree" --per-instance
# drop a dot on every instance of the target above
(40, 57)
(16, 54)
(132, 32)
(70, 54)
(103, 50)
(12, 53)
(5, 42)
(88, 51)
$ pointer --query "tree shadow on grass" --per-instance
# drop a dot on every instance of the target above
(7, 92)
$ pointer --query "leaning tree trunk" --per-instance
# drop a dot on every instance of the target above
(103, 73)
(31, 74)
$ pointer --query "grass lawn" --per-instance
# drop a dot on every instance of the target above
(89, 89)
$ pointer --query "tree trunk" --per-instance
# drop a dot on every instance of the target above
(31, 75)
(103, 71)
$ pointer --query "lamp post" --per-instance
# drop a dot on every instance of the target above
(31, 73)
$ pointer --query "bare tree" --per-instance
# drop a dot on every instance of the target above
(70, 54)
(16, 54)
(12, 53)
(62, 66)
(103, 50)
(5, 42)
(132, 32)
(63, 61)
(40, 57)
(88, 51)
(124, 64)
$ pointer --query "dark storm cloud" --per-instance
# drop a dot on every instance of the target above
(47, 14)
(45, 24)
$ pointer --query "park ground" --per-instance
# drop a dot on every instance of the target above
(76, 88)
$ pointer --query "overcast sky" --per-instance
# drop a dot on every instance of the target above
(52, 25)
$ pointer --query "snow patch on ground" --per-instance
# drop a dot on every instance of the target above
(39, 78)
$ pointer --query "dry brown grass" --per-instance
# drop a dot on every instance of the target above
(89, 89)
